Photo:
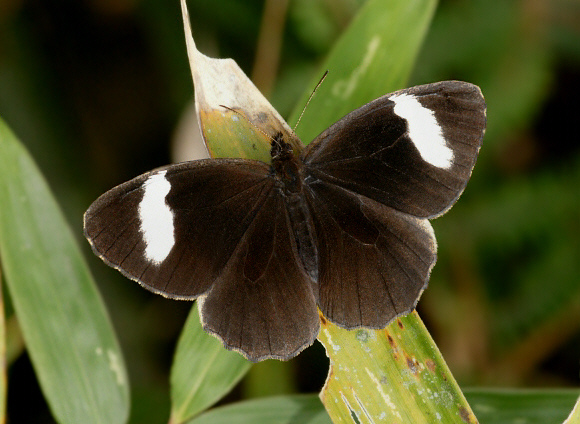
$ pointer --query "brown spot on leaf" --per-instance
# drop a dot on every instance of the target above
(393, 345)
(322, 319)
(411, 365)
(399, 322)
(466, 415)
(430, 364)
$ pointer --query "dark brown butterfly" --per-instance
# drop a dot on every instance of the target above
(341, 225)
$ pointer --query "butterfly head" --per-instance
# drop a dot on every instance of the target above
(285, 165)
(280, 149)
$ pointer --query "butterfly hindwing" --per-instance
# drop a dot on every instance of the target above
(374, 261)
(412, 150)
(270, 309)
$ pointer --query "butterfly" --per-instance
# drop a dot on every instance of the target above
(340, 225)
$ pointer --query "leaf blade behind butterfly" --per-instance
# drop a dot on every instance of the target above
(68, 334)
(236, 120)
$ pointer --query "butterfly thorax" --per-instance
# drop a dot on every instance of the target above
(286, 168)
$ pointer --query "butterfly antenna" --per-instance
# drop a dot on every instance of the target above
(251, 123)
(308, 102)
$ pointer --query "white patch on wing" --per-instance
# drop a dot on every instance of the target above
(156, 218)
(424, 130)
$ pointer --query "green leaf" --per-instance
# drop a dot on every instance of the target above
(271, 410)
(392, 374)
(203, 371)
(543, 406)
(65, 325)
(373, 57)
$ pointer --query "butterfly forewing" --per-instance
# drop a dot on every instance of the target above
(174, 229)
(412, 150)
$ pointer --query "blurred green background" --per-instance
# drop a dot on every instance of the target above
(95, 89)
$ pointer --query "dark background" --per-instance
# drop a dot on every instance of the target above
(95, 88)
